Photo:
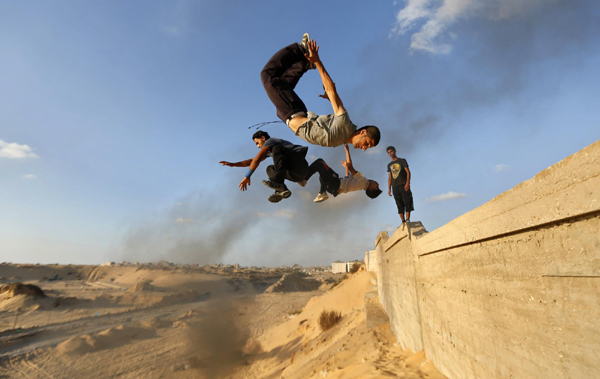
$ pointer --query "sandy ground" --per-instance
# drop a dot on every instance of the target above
(144, 322)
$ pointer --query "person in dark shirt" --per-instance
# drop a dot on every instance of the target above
(399, 184)
(289, 162)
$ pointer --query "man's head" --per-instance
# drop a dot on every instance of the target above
(391, 150)
(365, 137)
(260, 138)
(373, 189)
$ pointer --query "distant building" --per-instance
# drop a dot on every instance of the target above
(339, 267)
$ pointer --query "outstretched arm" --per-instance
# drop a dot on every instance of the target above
(251, 163)
(348, 162)
(328, 84)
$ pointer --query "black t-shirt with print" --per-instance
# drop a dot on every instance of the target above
(398, 172)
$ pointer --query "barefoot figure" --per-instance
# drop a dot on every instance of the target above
(331, 182)
(281, 75)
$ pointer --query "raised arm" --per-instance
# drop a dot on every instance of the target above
(328, 84)
(348, 162)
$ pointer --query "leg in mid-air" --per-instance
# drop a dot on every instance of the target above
(329, 179)
(281, 75)
(287, 165)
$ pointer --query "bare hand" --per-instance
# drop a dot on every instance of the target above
(407, 187)
(313, 52)
(325, 95)
(389, 192)
(225, 163)
(244, 184)
(345, 164)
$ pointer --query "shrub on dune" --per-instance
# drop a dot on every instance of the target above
(328, 319)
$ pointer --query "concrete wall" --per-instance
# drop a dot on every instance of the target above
(510, 289)
(371, 261)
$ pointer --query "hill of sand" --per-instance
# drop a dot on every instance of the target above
(192, 322)
(294, 282)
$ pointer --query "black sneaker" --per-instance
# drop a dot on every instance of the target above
(277, 196)
(276, 186)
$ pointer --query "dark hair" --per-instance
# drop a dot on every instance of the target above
(261, 134)
(372, 133)
(373, 193)
(391, 148)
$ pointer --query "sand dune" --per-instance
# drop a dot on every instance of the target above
(192, 322)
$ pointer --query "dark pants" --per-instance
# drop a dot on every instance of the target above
(287, 164)
(330, 181)
(404, 199)
(280, 76)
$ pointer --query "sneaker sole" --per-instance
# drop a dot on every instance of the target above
(270, 186)
(278, 196)
(275, 198)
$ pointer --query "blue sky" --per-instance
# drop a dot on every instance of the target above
(114, 116)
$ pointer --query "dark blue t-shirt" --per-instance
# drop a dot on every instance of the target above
(286, 144)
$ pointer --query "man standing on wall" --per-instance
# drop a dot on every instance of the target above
(399, 184)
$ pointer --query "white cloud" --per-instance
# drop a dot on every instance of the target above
(436, 17)
(29, 176)
(280, 213)
(501, 167)
(284, 213)
(14, 150)
(182, 220)
(447, 196)
(377, 150)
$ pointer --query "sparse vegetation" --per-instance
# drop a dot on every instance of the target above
(328, 319)
(294, 313)
(355, 267)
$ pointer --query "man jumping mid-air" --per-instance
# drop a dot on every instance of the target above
(331, 182)
(289, 163)
(281, 75)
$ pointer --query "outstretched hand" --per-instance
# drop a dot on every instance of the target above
(313, 52)
(225, 163)
(244, 184)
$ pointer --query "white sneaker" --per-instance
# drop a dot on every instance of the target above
(321, 197)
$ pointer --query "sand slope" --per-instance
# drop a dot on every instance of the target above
(144, 322)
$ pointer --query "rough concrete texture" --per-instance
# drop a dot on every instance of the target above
(371, 261)
(510, 289)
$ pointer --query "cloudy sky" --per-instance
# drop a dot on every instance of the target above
(114, 116)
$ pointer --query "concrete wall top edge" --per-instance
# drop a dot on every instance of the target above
(399, 234)
(567, 189)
